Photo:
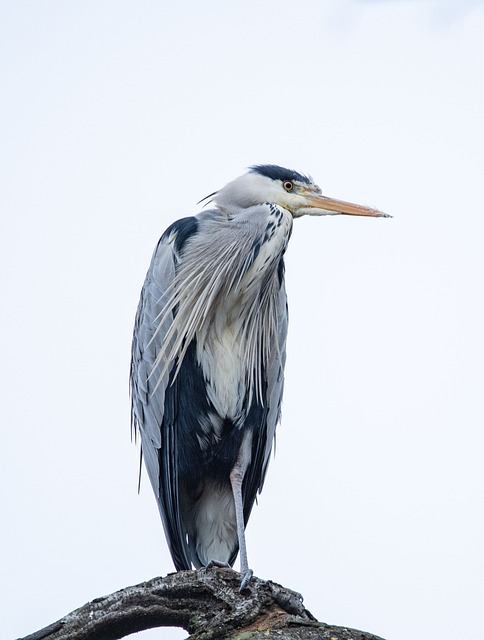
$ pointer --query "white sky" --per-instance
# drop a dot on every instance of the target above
(117, 118)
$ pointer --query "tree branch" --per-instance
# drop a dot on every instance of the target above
(206, 603)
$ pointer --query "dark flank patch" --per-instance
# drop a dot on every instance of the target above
(275, 172)
(185, 403)
(186, 408)
(183, 229)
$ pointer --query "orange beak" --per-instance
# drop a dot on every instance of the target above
(318, 205)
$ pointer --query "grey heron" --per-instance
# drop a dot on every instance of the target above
(208, 358)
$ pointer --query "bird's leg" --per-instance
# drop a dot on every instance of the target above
(236, 479)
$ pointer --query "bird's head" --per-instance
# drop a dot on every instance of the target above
(294, 191)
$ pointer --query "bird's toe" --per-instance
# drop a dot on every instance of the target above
(246, 579)
(219, 564)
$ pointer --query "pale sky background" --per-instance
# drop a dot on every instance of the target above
(117, 117)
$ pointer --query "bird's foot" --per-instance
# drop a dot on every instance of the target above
(245, 580)
(219, 564)
(225, 565)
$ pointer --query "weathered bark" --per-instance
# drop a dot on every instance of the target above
(206, 603)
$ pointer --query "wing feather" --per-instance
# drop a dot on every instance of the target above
(150, 416)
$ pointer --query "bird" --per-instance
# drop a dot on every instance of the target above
(208, 356)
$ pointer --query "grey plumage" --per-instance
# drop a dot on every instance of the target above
(208, 358)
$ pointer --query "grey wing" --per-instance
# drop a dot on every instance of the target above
(148, 388)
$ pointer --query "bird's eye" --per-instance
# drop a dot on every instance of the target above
(288, 185)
